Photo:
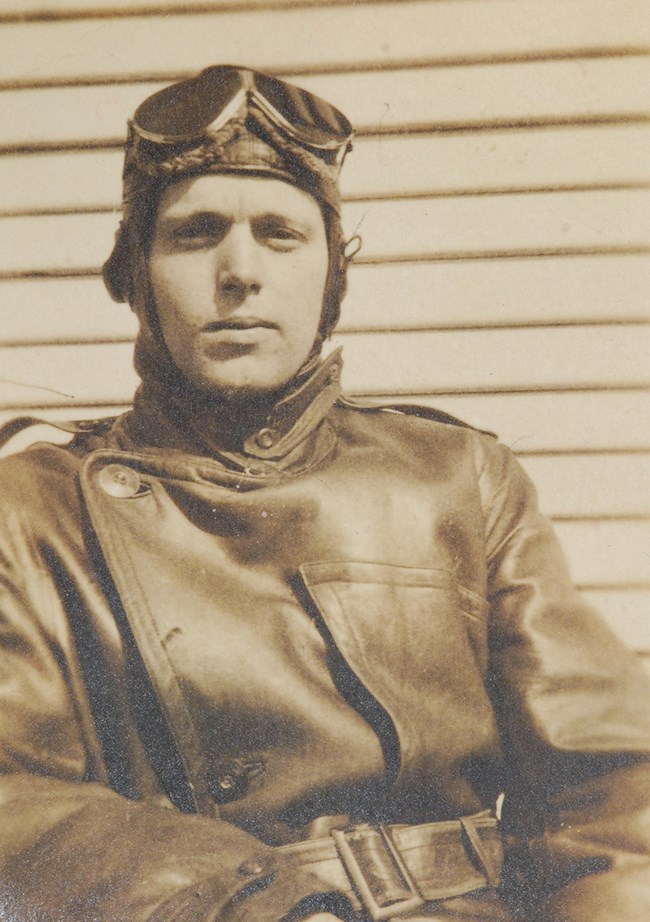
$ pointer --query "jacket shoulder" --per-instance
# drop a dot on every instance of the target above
(77, 428)
(41, 470)
(35, 469)
(410, 409)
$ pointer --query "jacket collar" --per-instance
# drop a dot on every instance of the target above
(297, 414)
(207, 429)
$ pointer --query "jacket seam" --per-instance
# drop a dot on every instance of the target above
(105, 540)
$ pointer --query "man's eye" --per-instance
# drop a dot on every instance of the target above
(283, 233)
(283, 237)
(187, 232)
(200, 230)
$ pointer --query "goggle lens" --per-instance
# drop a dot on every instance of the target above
(317, 122)
(183, 111)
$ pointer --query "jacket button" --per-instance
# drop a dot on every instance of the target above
(119, 481)
(230, 781)
(265, 438)
(255, 867)
(232, 777)
(335, 374)
(227, 783)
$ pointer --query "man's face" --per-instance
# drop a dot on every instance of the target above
(238, 268)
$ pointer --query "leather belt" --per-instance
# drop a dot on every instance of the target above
(390, 869)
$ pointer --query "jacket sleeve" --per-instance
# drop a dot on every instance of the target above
(573, 706)
(71, 848)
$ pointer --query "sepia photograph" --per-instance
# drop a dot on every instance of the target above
(324, 460)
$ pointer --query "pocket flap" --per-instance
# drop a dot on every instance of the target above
(404, 633)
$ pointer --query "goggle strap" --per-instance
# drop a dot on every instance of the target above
(229, 111)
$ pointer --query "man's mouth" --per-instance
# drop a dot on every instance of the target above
(238, 323)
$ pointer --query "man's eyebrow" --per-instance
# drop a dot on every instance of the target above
(279, 217)
(170, 220)
(274, 216)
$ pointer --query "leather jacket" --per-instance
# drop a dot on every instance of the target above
(362, 614)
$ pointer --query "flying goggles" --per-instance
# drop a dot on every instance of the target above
(187, 111)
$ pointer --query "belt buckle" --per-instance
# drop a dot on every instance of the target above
(375, 867)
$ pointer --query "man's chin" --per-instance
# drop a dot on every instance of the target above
(242, 391)
(245, 387)
(246, 393)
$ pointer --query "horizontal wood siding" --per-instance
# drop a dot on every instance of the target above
(500, 181)
(380, 364)
(326, 36)
(463, 163)
(413, 100)
(396, 230)
(453, 294)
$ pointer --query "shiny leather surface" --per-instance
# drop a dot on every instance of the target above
(404, 572)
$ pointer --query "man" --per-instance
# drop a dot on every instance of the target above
(270, 654)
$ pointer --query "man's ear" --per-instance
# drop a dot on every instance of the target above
(336, 285)
(116, 271)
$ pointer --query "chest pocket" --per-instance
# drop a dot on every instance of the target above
(413, 638)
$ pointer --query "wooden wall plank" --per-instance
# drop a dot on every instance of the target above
(70, 115)
(419, 98)
(383, 166)
(428, 31)
(56, 310)
(599, 421)
(503, 94)
(466, 293)
(55, 9)
(379, 363)
(607, 553)
(526, 159)
(77, 374)
(497, 223)
(632, 13)
(396, 229)
(485, 292)
(626, 612)
(574, 422)
(424, 362)
(84, 180)
(591, 485)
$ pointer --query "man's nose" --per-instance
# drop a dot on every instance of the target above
(238, 267)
